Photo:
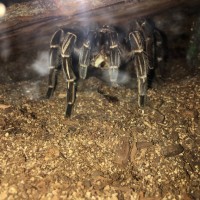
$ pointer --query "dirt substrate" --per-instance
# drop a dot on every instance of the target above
(108, 149)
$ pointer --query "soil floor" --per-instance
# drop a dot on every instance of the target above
(109, 148)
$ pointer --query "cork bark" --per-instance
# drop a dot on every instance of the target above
(30, 24)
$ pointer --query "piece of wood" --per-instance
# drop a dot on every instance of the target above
(30, 31)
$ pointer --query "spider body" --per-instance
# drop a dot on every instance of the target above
(104, 47)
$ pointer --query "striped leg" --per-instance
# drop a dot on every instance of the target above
(141, 72)
(66, 52)
(55, 62)
(114, 57)
(141, 64)
(84, 57)
(160, 53)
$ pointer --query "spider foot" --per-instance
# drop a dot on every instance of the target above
(142, 100)
(113, 72)
(114, 84)
(49, 93)
(68, 110)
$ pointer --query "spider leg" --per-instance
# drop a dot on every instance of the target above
(66, 52)
(114, 57)
(147, 31)
(84, 57)
(160, 53)
(141, 72)
(141, 64)
(55, 62)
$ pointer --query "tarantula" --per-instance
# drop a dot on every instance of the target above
(104, 47)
